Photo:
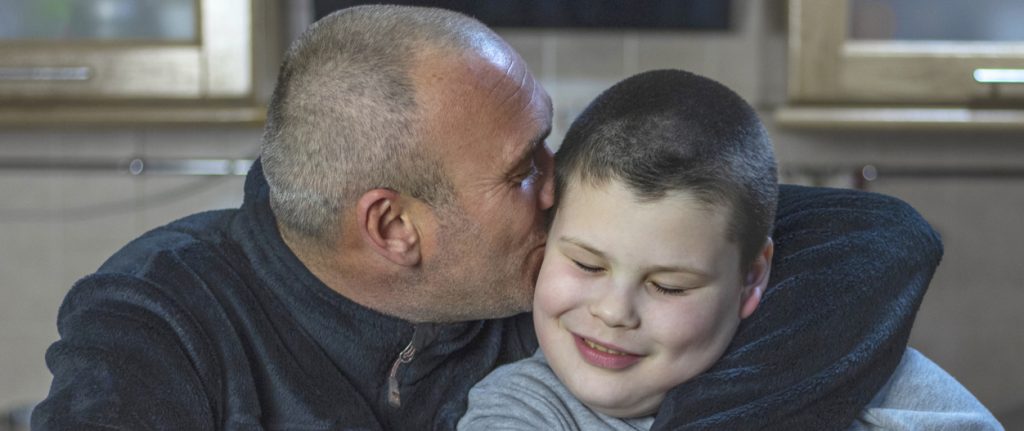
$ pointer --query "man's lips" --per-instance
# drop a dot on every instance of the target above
(603, 355)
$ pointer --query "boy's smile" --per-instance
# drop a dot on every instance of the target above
(636, 297)
(601, 355)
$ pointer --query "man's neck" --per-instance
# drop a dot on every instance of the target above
(359, 276)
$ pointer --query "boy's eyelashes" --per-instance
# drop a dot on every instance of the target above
(668, 290)
(585, 267)
(660, 288)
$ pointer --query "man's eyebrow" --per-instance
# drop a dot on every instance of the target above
(539, 139)
(535, 144)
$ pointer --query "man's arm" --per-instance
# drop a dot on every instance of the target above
(849, 273)
(121, 364)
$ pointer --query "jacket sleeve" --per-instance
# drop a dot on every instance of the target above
(122, 362)
(849, 272)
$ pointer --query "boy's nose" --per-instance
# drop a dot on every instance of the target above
(614, 306)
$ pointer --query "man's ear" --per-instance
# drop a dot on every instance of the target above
(387, 228)
(756, 280)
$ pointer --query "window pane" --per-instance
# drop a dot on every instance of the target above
(103, 20)
(955, 20)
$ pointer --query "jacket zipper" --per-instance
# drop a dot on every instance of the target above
(394, 393)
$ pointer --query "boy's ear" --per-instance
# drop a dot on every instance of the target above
(756, 280)
(387, 227)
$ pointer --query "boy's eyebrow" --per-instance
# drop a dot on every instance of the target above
(686, 269)
(657, 268)
(579, 243)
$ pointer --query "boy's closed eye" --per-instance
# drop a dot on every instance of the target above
(660, 287)
(585, 267)
(669, 289)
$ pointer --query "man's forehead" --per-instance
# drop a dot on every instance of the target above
(525, 103)
(497, 73)
(495, 52)
(491, 84)
(537, 130)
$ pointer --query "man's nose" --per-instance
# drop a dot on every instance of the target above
(546, 165)
(614, 305)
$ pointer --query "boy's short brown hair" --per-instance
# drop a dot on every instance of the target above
(671, 130)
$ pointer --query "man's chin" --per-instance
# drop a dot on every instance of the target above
(519, 306)
(509, 308)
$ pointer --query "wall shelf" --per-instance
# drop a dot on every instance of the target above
(131, 115)
(898, 118)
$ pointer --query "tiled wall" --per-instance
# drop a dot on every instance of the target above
(51, 232)
(575, 66)
(56, 226)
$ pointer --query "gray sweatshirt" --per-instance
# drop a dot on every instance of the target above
(527, 395)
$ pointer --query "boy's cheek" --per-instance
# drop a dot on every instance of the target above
(559, 289)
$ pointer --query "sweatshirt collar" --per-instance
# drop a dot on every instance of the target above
(324, 313)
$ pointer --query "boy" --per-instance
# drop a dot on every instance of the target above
(659, 247)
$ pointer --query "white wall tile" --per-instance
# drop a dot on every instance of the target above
(163, 199)
(98, 216)
(25, 379)
(29, 257)
(206, 142)
(530, 46)
(570, 97)
(728, 58)
(970, 322)
(589, 55)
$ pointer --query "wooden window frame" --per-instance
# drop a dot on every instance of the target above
(210, 79)
(833, 80)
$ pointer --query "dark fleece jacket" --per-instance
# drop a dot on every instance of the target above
(211, 322)
(849, 273)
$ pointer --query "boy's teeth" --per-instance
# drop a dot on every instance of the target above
(602, 348)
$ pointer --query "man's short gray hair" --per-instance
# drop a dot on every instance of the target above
(343, 117)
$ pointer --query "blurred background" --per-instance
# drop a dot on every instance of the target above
(118, 116)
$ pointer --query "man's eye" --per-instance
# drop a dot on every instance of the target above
(587, 268)
(527, 175)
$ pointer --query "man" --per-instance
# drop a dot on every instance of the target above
(376, 273)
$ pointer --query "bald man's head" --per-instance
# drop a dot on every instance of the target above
(343, 118)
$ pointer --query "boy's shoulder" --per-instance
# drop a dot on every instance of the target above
(921, 395)
(531, 374)
(528, 395)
